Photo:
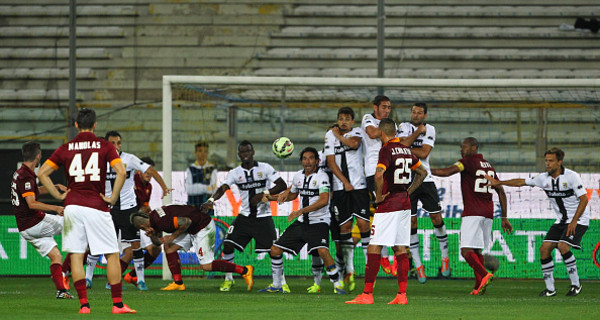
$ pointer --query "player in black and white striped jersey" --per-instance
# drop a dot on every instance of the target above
(565, 190)
(253, 179)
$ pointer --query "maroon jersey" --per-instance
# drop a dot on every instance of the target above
(142, 190)
(165, 218)
(398, 162)
(23, 185)
(84, 160)
(477, 197)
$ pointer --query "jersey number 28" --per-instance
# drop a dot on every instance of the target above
(481, 182)
(91, 169)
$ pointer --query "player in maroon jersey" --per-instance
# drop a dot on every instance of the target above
(478, 214)
(190, 227)
(34, 225)
(391, 222)
(143, 190)
(86, 208)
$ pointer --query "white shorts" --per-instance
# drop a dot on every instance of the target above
(476, 232)
(391, 228)
(41, 235)
(202, 243)
(87, 226)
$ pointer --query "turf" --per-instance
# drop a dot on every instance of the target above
(33, 298)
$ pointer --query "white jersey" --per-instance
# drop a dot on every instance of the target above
(252, 182)
(309, 188)
(127, 198)
(564, 193)
(350, 161)
(372, 146)
(406, 129)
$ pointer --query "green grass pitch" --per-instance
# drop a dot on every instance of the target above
(34, 298)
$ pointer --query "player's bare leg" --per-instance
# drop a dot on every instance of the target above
(57, 274)
(414, 250)
(247, 272)
(439, 228)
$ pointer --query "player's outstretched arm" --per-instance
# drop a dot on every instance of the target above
(166, 190)
(510, 183)
(445, 172)
(216, 196)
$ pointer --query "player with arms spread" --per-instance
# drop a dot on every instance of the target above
(420, 136)
(565, 190)
(190, 227)
(87, 217)
(35, 226)
(478, 214)
(254, 220)
(391, 223)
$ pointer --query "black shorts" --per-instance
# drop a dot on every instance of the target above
(122, 222)
(558, 233)
(298, 234)
(347, 204)
(428, 195)
(334, 228)
(243, 229)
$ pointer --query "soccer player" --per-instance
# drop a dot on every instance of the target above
(382, 106)
(125, 206)
(312, 225)
(35, 226)
(391, 222)
(478, 214)
(200, 177)
(254, 221)
(344, 152)
(420, 136)
(143, 190)
(86, 207)
(190, 227)
(565, 190)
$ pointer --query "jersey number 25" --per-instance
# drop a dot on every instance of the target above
(402, 172)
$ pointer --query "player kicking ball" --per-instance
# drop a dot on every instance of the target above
(190, 227)
(391, 222)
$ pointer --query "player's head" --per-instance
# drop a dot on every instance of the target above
(201, 151)
(145, 175)
(387, 127)
(469, 147)
(382, 106)
(86, 119)
(140, 220)
(31, 151)
(418, 113)
(554, 159)
(310, 159)
(115, 138)
(345, 119)
(246, 152)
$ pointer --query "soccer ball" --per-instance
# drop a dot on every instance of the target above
(490, 262)
(283, 147)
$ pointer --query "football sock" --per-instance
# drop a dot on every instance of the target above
(365, 238)
(175, 266)
(81, 291)
(371, 269)
(478, 277)
(414, 248)
(57, 276)
(229, 258)
(339, 262)
(283, 278)
(277, 269)
(348, 250)
(442, 236)
(116, 290)
(475, 264)
(138, 263)
(148, 260)
(317, 269)
(124, 265)
(548, 273)
(91, 262)
(571, 265)
(66, 265)
(334, 275)
(226, 266)
(403, 267)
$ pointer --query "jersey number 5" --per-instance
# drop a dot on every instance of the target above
(402, 172)
(480, 182)
(92, 169)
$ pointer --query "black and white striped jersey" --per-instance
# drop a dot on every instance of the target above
(252, 182)
(406, 129)
(350, 161)
(309, 188)
(127, 198)
(564, 193)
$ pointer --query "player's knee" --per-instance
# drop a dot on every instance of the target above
(563, 248)
(275, 251)
(206, 267)
(227, 248)
(436, 219)
(413, 222)
(54, 256)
